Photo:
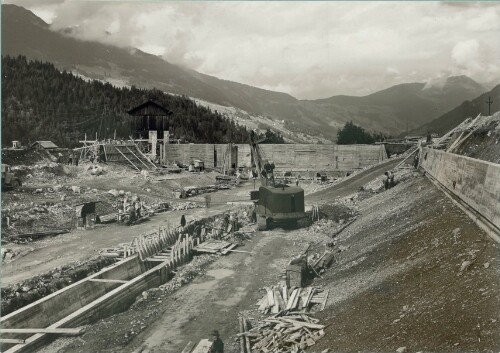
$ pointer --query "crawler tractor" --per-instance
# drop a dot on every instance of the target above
(275, 203)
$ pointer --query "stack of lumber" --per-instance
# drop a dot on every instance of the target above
(215, 247)
(285, 333)
(281, 298)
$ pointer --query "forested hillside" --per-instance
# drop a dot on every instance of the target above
(41, 103)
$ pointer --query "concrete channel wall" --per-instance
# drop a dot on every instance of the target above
(475, 182)
(286, 157)
(107, 292)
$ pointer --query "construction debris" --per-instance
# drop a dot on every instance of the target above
(282, 298)
(215, 247)
(291, 332)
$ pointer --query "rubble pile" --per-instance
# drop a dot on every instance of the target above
(179, 206)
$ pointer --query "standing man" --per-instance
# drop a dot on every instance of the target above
(183, 222)
(218, 345)
(415, 160)
(77, 157)
(70, 159)
(386, 180)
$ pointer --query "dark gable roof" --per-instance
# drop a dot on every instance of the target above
(156, 107)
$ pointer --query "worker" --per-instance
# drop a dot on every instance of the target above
(218, 345)
(77, 157)
(387, 180)
(415, 161)
(254, 214)
(391, 179)
(131, 213)
(183, 222)
(137, 207)
(59, 157)
(70, 158)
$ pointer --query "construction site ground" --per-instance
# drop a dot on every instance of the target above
(412, 271)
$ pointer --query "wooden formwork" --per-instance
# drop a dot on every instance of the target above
(150, 264)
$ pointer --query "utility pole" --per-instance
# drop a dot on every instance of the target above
(489, 102)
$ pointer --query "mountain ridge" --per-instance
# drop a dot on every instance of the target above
(389, 111)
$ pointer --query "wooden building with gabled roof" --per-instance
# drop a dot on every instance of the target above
(149, 116)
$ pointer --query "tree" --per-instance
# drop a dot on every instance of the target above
(353, 134)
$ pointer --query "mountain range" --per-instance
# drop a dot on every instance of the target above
(468, 109)
(391, 111)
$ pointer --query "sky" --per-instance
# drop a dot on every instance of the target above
(307, 49)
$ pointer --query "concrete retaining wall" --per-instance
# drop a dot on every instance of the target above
(475, 182)
(86, 301)
(65, 301)
(286, 157)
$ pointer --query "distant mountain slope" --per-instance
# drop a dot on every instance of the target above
(386, 111)
(413, 103)
(41, 103)
(467, 109)
(23, 33)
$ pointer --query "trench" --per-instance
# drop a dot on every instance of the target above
(96, 295)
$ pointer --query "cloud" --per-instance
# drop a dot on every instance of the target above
(308, 49)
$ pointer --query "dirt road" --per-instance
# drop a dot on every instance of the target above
(47, 254)
(351, 185)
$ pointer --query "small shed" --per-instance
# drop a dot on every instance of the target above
(16, 144)
(199, 166)
(44, 145)
(85, 215)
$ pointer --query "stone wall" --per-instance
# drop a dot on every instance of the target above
(286, 157)
(475, 182)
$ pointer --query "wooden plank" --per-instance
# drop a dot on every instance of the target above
(210, 251)
(226, 250)
(116, 147)
(296, 299)
(309, 297)
(242, 251)
(279, 299)
(291, 299)
(285, 294)
(303, 324)
(140, 160)
(242, 339)
(326, 298)
(270, 296)
(142, 154)
(11, 340)
(264, 304)
(59, 331)
(204, 346)
(247, 339)
(105, 280)
(161, 257)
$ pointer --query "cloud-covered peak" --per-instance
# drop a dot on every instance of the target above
(307, 49)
